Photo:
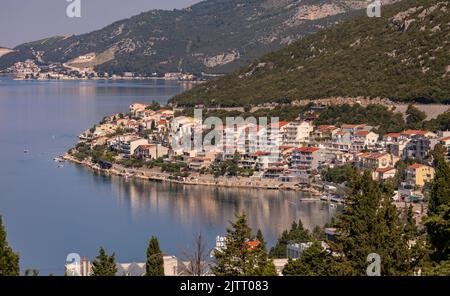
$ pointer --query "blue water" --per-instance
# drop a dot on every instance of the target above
(50, 211)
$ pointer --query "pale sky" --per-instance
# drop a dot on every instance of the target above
(29, 20)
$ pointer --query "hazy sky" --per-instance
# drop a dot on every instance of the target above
(28, 20)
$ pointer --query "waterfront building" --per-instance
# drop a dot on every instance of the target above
(151, 151)
(305, 160)
(128, 144)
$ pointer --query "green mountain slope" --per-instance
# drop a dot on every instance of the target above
(213, 36)
(404, 55)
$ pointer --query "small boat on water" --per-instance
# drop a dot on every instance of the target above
(58, 159)
(26, 151)
(325, 197)
(61, 166)
(336, 199)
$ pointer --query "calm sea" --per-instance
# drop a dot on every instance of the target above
(51, 211)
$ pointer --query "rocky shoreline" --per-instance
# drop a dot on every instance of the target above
(197, 180)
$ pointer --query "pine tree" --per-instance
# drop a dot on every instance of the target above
(9, 261)
(315, 261)
(243, 254)
(265, 266)
(410, 227)
(297, 234)
(104, 265)
(371, 224)
(155, 262)
(414, 117)
(438, 219)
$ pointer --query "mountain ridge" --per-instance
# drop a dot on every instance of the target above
(213, 36)
(402, 56)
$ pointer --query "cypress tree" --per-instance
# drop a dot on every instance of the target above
(104, 265)
(155, 261)
(9, 261)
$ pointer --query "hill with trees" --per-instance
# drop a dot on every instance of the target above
(213, 36)
(403, 56)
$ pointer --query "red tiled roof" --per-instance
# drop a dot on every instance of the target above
(415, 166)
(261, 153)
(307, 149)
(384, 170)
(413, 132)
(362, 133)
(392, 135)
(444, 139)
(252, 244)
(279, 124)
(352, 125)
(326, 127)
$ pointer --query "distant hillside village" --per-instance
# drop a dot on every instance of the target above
(31, 70)
(299, 154)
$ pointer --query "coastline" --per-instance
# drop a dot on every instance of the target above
(110, 79)
(203, 180)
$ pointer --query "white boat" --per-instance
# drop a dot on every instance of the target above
(336, 199)
(58, 159)
(325, 197)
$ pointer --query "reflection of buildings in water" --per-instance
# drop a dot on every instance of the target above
(270, 211)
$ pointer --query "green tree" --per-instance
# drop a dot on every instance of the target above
(438, 220)
(155, 262)
(315, 261)
(31, 272)
(442, 269)
(9, 261)
(371, 224)
(410, 227)
(414, 117)
(104, 265)
(266, 267)
(243, 254)
(297, 234)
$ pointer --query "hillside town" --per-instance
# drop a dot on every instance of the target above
(32, 70)
(147, 143)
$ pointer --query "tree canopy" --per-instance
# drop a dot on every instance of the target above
(244, 254)
(155, 261)
(9, 261)
(104, 265)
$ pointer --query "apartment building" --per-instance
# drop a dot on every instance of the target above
(419, 174)
(297, 132)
